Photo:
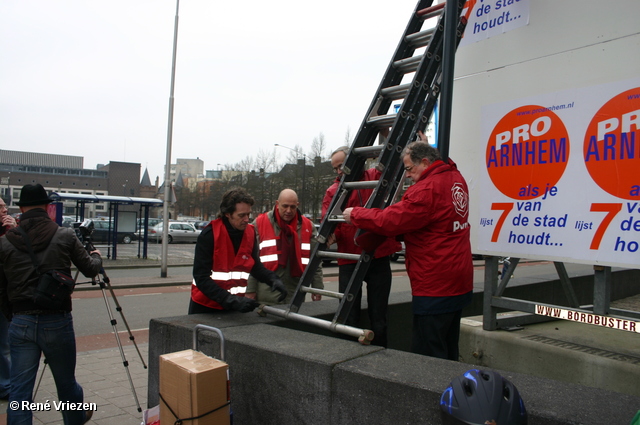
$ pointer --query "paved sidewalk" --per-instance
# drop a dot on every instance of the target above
(105, 382)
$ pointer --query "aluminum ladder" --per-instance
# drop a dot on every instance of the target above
(419, 53)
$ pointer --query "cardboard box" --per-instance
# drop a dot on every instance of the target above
(193, 384)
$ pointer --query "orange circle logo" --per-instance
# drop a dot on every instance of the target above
(612, 146)
(527, 152)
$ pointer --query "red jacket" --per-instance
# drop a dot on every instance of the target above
(433, 216)
(344, 232)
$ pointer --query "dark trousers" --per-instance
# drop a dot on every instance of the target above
(378, 280)
(437, 335)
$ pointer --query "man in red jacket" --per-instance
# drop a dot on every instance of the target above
(433, 217)
(378, 275)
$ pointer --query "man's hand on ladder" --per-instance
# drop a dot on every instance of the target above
(278, 285)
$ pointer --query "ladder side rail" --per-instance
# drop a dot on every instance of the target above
(427, 83)
(354, 165)
(327, 227)
(353, 287)
(379, 105)
(382, 199)
(408, 119)
(389, 158)
(306, 279)
(405, 50)
(409, 111)
(404, 131)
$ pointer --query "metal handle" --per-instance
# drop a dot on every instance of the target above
(212, 329)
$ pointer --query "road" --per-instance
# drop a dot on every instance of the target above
(138, 305)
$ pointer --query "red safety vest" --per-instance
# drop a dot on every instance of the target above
(230, 271)
(268, 243)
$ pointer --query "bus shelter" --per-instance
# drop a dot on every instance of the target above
(118, 220)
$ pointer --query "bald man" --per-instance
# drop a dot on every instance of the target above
(285, 237)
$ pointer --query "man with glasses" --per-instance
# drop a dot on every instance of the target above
(226, 254)
(433, 217)
(378, 276)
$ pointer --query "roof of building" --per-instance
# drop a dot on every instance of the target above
(105, 198)
(146, 181)
(40, 159)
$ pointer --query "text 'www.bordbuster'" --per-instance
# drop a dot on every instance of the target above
(54, 405)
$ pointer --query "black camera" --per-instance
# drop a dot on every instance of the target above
(84, 231)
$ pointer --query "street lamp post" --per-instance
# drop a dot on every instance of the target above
(304, 167)
(167, 173)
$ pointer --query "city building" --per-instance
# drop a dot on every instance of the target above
(65, 174)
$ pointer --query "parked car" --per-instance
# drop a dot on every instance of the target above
(101, 231)
(178, 232)
(201, 224)
(67, 221)
(152, 222)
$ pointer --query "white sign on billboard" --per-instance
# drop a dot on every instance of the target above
(561, 176)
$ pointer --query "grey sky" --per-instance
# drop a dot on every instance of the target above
(91, 78)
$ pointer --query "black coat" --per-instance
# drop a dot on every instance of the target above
(55, 249)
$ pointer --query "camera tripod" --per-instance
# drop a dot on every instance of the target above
(103, 281)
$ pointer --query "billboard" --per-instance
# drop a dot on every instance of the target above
(561, 175)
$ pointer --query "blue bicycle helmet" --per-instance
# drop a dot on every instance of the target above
(480, 397)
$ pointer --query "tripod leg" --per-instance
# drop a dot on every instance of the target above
(119, 309)
(115, 332)
(35, 391)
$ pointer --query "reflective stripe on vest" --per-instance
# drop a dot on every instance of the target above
(268, 243)
(224, 276)
(268, 258)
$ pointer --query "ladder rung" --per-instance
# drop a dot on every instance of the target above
(432, 11)
(422, 38)
(369, 151)
(338, 255)
(365, 336)
(409, 64)
(335, 218)
(367, 184)
(322, 292)
(383, 120)
(396, 92)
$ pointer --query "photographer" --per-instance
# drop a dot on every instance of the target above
(37, 328)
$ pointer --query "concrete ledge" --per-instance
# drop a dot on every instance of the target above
(566, 351)
(287, 376)
(286, 372)
(396, 387)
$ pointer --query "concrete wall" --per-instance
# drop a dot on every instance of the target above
(283, 372)
(285, 376)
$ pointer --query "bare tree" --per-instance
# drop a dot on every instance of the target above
(246, 164)
(347, 137)
(318, 147)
